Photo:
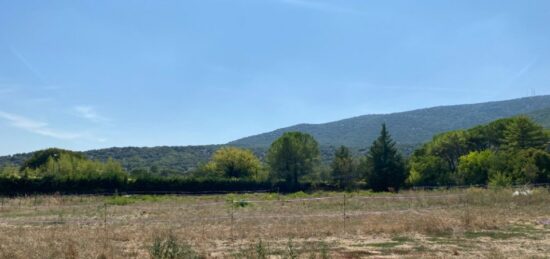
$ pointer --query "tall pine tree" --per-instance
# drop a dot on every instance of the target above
(523, 133)
(384, 166)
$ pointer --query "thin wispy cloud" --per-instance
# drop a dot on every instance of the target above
(524, 70)
(321, 6)
(27, 64)
(515, 78)
(42, 128)
(89, 113)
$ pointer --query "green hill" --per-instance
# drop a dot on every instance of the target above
(542, 117)
(409, 129)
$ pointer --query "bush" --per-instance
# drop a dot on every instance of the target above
(167, 246)
(500, 180)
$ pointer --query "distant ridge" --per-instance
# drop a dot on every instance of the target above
(411, 127)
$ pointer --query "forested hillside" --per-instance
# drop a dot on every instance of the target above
(409, 130)
(542, 117)
(411, 127)
(180, 159)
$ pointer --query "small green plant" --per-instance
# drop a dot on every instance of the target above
(261, 250)
(121, 200)
(241, 203)
(324, 251)
(257, 250)
(167, 246)
(291, 250)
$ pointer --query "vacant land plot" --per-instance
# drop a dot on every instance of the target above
(453, 223)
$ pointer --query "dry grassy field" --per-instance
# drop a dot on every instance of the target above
(468, 223)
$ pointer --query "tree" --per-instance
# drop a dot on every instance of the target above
(450, 146)
(428, 170)
(474, 167)
(523, 133)
(293, 156)
(343, 167)
(488, 136)
(40, 158)
(234, 162)
(384, 166)
(528, 166)
(542, 161)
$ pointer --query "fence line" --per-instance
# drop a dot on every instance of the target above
(185, 220)
(451, 187)
(402, 197)
(198, 193)
(345, 214)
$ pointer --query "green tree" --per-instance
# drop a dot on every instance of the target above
(450, 146)
(523, 133)
(10, 171)
(528, 166)
(474, 167)
(428, 170)
(542, 161)
(234, 162)
(40, 158)
(343, 168)
(292, 156)
(384, 166)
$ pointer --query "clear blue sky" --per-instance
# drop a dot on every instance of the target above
(93, 74)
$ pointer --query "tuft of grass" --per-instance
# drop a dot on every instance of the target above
(118, 200)
(402, 239)
(258, 250)
(421, 249)
(241, 204)
(324, 250)
(167, 246)
(261, 250)
(292, 253)
(71, 252)
(493, 234)
(385, 244)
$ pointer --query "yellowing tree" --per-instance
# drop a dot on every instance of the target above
(234, 162)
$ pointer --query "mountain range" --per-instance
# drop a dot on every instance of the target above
(409, 129)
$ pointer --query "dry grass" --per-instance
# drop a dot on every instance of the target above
(464, 223)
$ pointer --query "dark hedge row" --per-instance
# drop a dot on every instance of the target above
(50, 185)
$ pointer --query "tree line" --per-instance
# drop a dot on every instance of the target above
(502, 153)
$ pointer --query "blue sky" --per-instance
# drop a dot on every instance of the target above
(93, 74)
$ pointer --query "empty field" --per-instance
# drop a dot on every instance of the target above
(453, 223)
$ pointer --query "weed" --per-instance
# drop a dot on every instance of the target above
(166, 246)
(241, 203)
(324, 251)
(493, 234)
(402, 239)
(71, 252)
(261, 251)
(291, 250)
(385, 244)
(131, 199)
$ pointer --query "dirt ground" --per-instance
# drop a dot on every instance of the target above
(469, 223)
